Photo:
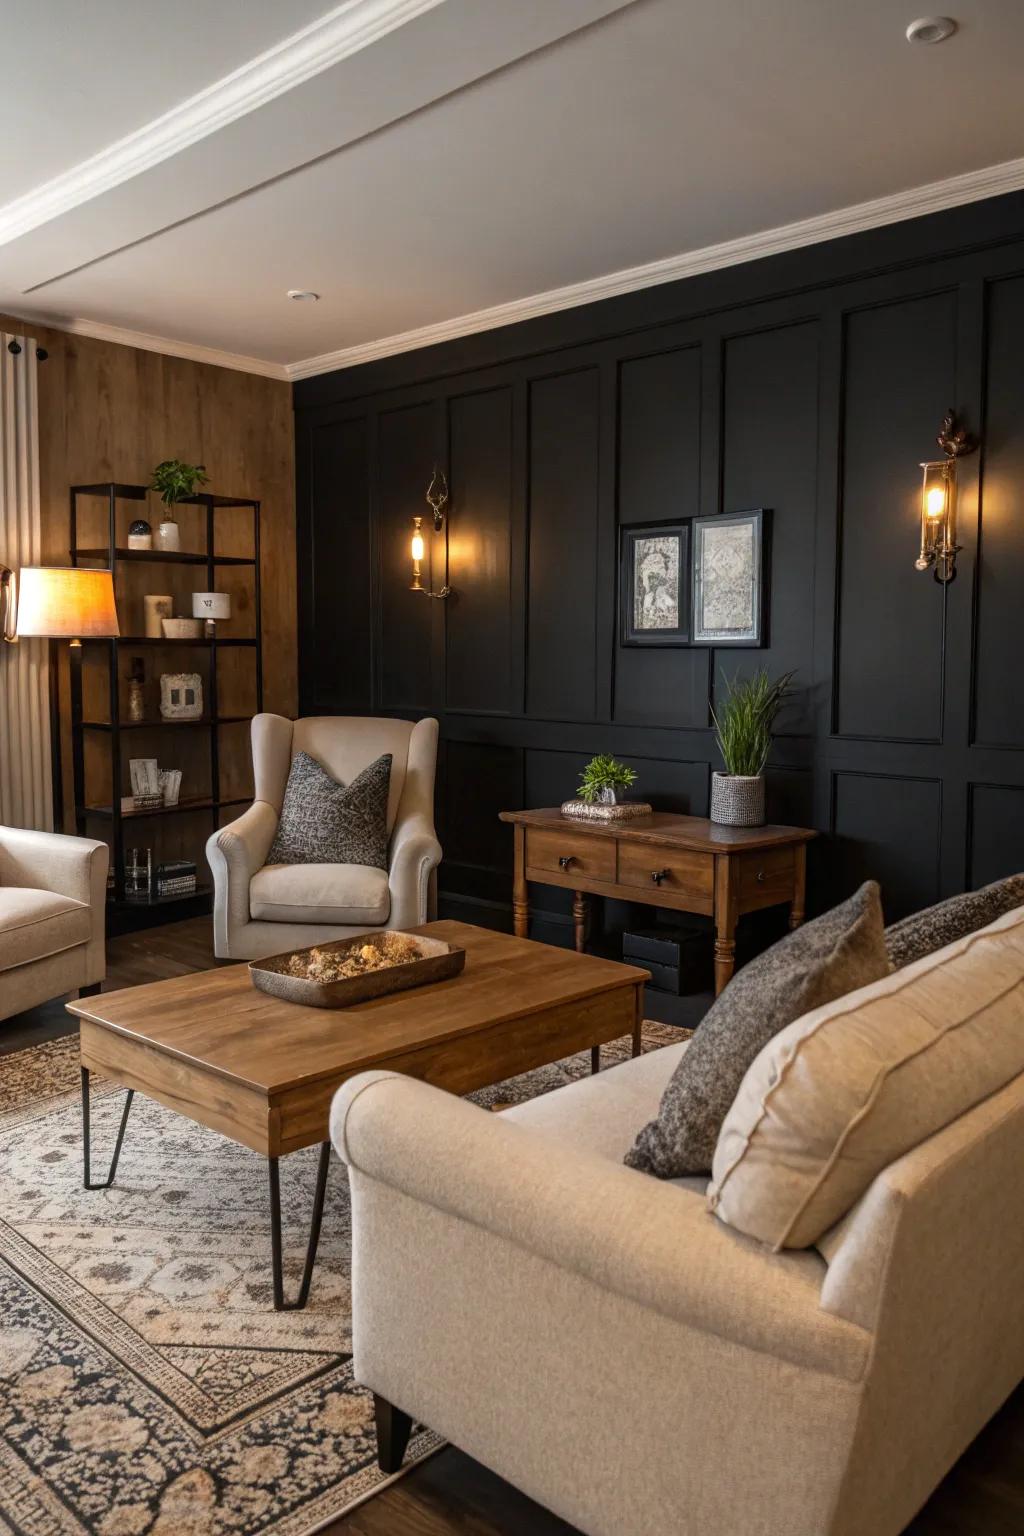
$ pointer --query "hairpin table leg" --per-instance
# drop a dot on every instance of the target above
(280, 1305)
(88, 1181)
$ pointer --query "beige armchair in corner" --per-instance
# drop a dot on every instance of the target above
(261, 909)
(53, 892)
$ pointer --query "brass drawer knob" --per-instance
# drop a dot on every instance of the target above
(760, 874)
(658, 875)
(565, 860)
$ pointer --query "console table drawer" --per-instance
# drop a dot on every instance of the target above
(570, 853)
(766, 877)
(661, 867)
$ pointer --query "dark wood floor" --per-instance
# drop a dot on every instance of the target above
(982, 1496)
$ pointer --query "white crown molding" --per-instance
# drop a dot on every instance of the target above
(344, 30)
(146, 343)
(970, 187)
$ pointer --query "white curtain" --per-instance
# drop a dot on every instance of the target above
(25, 780)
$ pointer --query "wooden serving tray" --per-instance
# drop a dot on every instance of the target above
(438, 961)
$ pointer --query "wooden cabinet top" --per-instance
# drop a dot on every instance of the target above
(694, 832)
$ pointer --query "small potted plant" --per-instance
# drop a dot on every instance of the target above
(175, 481)
(603, 780)
(743, 731)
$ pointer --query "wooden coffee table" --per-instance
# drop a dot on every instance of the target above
(263, 1072)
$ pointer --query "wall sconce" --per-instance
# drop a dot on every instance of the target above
(939, 547)
(436, 499)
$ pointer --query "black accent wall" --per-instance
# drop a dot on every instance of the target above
(811, 383)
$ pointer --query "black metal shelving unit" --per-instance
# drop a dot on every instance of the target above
(124, 912)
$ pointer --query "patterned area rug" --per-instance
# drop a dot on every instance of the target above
(147, 1387)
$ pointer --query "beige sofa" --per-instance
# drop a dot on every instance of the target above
(262, 909)
(606, 1344)
(53, 892)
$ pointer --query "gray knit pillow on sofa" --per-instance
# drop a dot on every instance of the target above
(924, 932)
(324, 822)
(836, 953)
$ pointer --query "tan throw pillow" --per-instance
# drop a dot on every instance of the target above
(849, 1088)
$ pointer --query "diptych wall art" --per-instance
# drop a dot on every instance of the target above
(705, 587)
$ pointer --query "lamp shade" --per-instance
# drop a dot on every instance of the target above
(66, 603)
(211, 605)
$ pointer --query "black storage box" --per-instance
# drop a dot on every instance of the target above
(679, 959)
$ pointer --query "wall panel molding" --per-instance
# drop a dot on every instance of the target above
(818, 403)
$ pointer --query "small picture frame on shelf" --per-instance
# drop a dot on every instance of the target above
(181, 696)
(653, 585)
(170, 785)
(730, 590)
(145, 778)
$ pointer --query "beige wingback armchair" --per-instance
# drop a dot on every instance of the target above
(261, 909)
(53, 892)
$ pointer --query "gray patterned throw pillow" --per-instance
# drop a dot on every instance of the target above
(836, 953)
(324, 822)
(924, 932)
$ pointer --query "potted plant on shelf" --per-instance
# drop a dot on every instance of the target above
(743, 731)
(603, 780)
(175, 481)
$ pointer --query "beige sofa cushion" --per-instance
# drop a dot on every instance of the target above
(847, 1089)
(34, 924)
(320, 893)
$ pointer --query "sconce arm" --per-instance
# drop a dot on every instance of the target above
(8, 605)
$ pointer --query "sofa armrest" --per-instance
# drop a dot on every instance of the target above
(75, 867)
(623, 1231)
(235, 853)
(415, 854)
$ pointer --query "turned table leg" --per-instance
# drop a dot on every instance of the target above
(579, 920)
(798, 904)
(725, 921)
(520, 893)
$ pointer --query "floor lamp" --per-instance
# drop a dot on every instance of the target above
(64, 603)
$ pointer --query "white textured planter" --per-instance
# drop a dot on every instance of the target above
(736, 800)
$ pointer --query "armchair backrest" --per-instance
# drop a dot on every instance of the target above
(345, 745)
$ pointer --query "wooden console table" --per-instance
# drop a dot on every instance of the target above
(662, 860)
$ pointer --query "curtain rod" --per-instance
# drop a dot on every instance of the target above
(14, 347)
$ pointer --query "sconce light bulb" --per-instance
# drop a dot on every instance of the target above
(417, 546)
(935, 504)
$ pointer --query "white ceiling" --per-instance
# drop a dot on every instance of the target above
(435, 166)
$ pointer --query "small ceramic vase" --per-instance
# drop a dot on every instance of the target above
(169, 536)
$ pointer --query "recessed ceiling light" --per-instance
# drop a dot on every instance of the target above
(303, 295)
(931, 29)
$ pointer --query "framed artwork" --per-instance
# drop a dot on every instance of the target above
(730, 599)
(144, 776)
(654, 589)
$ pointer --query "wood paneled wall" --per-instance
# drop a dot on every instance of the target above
(112, 412)
(811, 383)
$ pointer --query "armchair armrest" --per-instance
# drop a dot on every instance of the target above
(415, 854)
(235, 853)
(75, 867)
(624, 1231)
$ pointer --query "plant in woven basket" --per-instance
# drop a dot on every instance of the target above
(603, 779)
(743, 730)
(744, 721)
